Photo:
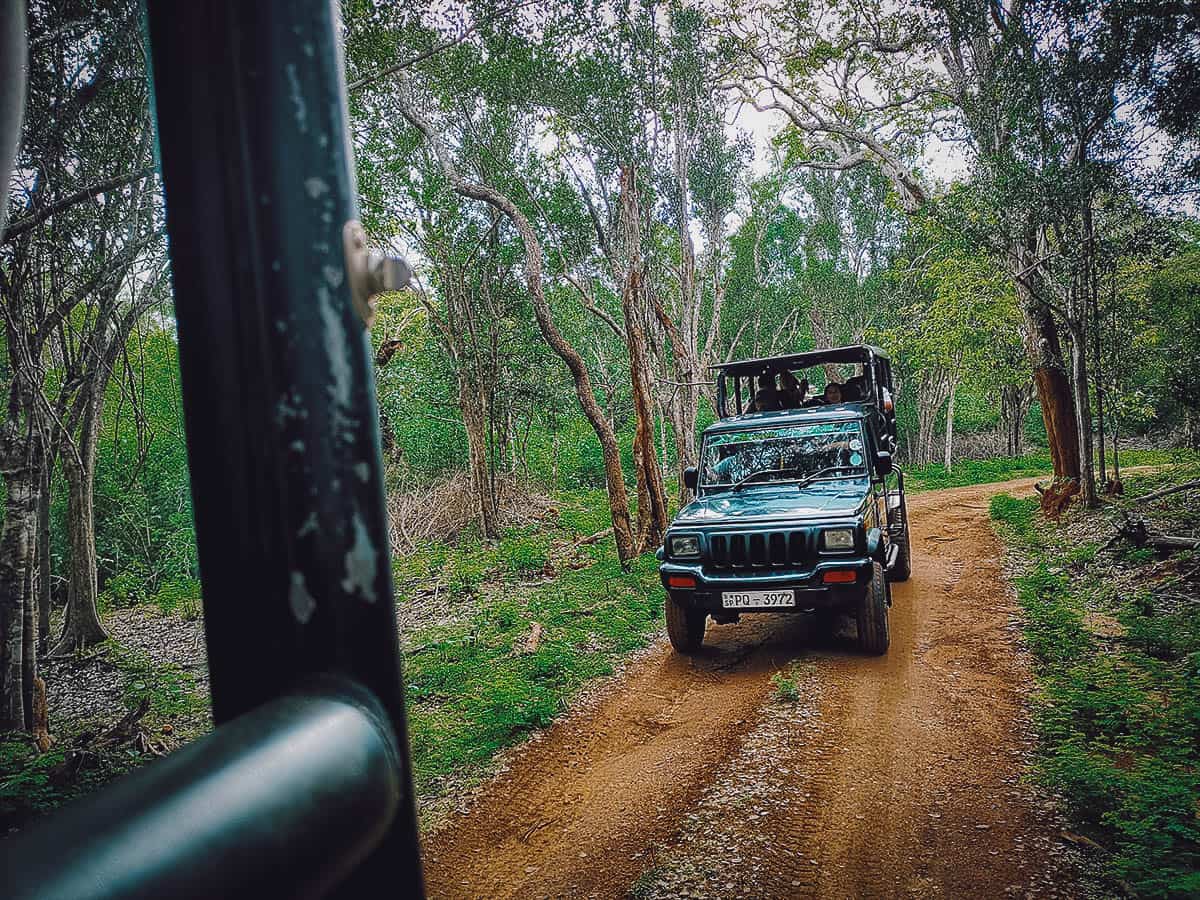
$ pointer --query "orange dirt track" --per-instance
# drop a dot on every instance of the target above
(897, 776)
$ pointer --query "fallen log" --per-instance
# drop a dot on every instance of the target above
(1167, 491)
(1136, 532)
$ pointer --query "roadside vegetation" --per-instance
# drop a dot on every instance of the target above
(532, 617)
(1114, 630)
(1036, 464)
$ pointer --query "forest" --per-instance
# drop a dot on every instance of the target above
(601, 200)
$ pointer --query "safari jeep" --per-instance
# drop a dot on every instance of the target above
(793, 510)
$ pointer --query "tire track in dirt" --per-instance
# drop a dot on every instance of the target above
(896, 776)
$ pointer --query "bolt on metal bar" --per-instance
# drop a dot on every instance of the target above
(279, 393)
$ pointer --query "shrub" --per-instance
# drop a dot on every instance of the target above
(524, 553)
(786, 687)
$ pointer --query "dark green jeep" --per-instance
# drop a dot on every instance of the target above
(793, 510)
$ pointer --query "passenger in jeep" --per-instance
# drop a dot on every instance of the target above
(767, 397)
(791, 393)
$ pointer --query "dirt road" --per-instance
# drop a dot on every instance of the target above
(897, 776)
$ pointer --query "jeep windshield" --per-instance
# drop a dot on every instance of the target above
(783, 454)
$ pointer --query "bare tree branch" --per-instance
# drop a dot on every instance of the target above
(16, 229)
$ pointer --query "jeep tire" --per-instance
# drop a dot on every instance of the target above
(872, 614)
(903, 568)
(685, 626)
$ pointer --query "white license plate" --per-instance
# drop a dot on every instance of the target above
(744, 599)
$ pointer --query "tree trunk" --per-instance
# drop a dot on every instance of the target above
(1083, 406)
(16, 554)
(684, 337)
(1078, 306)
(29, 642)
(1014, 407)
(1191, 423)
(1044, 351)
(1116, 457)
(471, 405)
(652, 501)
(950, 424)
(82, 626)
(1098, 379)
(933, 390)
(44, 571)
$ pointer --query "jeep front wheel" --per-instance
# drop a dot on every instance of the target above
(685, 626)
(872, 614)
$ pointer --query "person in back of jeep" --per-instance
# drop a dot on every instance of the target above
(767, 397)
(791, 392)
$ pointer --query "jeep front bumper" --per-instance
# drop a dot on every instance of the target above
(812, 590)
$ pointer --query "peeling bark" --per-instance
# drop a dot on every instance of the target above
(652, 501)
(16, 553)
(1044, 351)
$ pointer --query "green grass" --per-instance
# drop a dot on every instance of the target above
(475, 686)
(169, 690)
(1118, 706)
(32, 782)
(983, 471)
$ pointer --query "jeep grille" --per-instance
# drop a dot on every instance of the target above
(759, 549)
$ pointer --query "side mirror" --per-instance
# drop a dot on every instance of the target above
(691, 477)
(883, 462)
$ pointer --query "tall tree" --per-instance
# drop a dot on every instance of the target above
(87, 96)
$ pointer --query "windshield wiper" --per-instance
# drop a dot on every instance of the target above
(809, 479)
(754, 475)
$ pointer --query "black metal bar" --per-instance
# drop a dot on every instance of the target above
(281, 802)
(279, 393)
(12, 90)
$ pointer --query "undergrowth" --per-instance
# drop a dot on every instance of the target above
(32, 782)
(483, 681)
(1115, 636)
(983, 471)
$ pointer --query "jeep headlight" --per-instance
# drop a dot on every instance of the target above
(684, 545)
(838, 539)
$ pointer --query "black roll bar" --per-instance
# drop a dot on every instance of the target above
(287, 488)
(281, 802)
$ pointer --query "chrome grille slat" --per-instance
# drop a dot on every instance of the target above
(779, 548)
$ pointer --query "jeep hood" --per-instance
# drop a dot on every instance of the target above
(820, 500)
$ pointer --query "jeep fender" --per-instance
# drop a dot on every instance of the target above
(875, 544)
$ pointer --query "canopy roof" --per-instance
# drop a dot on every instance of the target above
(859, 353)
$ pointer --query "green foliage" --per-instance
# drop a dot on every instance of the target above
(145, 539)
(523, 552)
(170, 690)
(179, 595)
(474, 683)
(1034, 465)
(26, 783)
(1118, 717)
(786, 687)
